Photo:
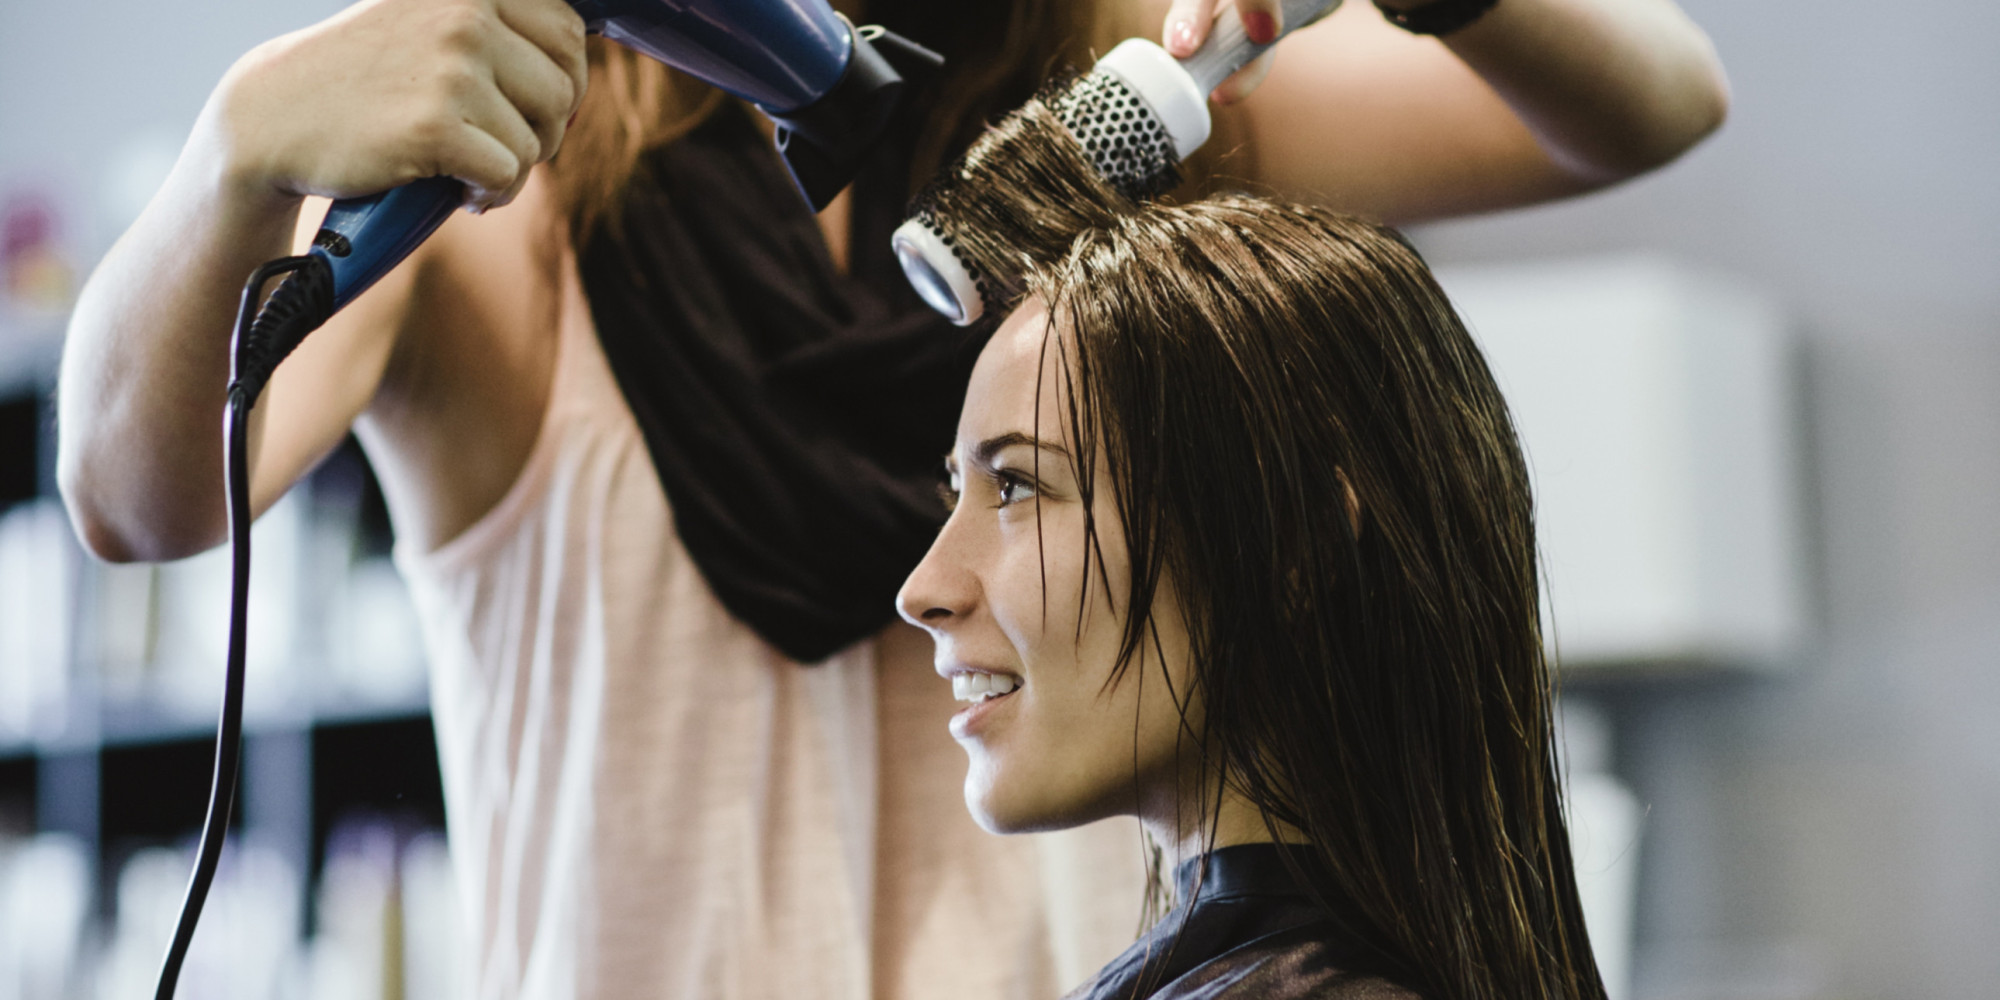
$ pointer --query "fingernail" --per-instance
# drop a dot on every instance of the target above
(1261, 27)
(1181, 38)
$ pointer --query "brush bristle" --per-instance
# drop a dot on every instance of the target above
(1120, 133)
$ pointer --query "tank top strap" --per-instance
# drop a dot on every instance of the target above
(583, 387)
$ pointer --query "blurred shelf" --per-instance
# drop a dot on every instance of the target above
(138, 723)
(30, 349)
(133, 724)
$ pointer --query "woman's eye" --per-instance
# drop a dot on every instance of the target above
(949, 495)
(1013, 488)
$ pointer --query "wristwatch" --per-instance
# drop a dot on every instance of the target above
(1439, 17)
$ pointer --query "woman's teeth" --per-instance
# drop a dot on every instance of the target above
(980, 687)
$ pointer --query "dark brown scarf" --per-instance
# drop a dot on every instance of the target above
(796, 417)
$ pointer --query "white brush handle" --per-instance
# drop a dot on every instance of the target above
(1228, 49)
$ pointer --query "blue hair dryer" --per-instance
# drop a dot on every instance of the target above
(830, 88)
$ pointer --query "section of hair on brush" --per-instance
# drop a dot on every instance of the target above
(1073, 159)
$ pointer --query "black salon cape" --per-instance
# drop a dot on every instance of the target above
(1252, 934)
(797, 418)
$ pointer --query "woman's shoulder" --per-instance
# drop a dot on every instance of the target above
(1250, 932)
(1296, 964)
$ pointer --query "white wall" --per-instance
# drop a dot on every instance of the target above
(94, 101)
(1835, 831)
(81, 83)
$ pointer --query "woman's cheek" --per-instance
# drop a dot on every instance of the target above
(1015, 781)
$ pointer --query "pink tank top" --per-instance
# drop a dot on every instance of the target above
(647, 800)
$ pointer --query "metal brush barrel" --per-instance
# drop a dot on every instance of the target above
(1135, 115)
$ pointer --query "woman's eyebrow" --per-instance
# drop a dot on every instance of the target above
(985, 451)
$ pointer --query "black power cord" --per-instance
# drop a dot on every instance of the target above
(301, 303)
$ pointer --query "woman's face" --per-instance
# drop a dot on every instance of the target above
(1050, 745)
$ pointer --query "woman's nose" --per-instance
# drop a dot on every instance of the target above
(941, 590)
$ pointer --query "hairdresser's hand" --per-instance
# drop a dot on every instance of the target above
(1187, 26)
(390, 91)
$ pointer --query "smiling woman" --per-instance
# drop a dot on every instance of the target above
(1243, 545)
(1052, 742)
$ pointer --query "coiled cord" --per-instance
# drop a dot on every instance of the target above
(298, 307)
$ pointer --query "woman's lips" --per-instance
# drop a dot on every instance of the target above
(979, 715)
(985, 689)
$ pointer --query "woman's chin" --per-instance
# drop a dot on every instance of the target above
(1002, 808)
(999, 808)
(992, 812)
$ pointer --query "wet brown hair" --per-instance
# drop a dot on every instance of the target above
(1302, 437)
(1019, 195)
(997, 53)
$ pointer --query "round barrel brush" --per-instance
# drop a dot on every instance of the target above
(1072, 158)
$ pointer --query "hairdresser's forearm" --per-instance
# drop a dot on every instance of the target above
(147, 360)
(1610, 88)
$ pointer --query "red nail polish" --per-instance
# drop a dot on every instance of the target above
(1261, 27)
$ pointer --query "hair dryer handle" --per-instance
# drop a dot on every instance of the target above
(362, 238)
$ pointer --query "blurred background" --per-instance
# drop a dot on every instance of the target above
(1760, 389)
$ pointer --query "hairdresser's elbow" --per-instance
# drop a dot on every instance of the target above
(125, 540)
(1701, 108)
(104, 535)
(1714, 105)
(135, 530)
(1695, 108)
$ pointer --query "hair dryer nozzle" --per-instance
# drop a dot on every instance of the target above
(824, 142)
(830, 87)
